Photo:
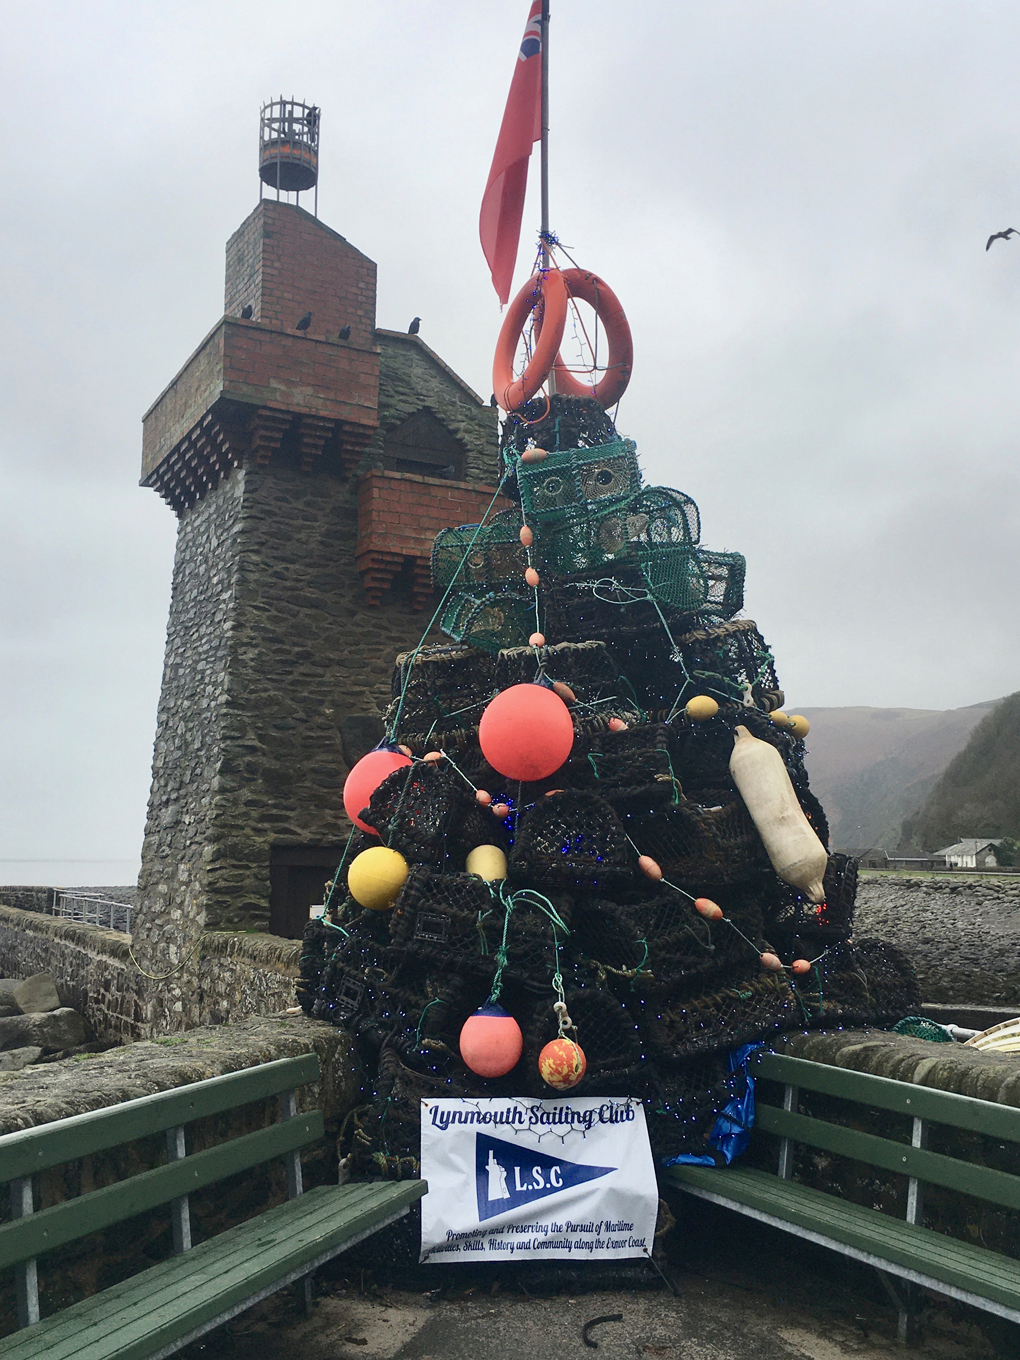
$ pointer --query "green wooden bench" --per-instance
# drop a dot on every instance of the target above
(162, 1308)
(897, 1247)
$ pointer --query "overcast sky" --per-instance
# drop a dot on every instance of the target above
(790, 199)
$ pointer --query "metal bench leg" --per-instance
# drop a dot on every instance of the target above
(288, 1110)
(308, 1296)
(27, 1276)
(790, 1095)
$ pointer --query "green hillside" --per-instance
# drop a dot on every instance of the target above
(979, 791)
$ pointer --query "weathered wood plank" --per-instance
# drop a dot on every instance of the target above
(139, 1316)
(933, 1167)
(961, 1264)
(64, 1140)
(66, 1222)
(922, 1102)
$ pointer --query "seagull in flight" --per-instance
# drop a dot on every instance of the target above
(1002, 236)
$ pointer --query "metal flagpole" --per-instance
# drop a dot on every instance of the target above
(545, 134)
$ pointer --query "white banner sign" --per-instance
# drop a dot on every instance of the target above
(536, 1180)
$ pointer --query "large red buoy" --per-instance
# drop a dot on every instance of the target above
(491, 1041)
(365, 778)
(526, 732)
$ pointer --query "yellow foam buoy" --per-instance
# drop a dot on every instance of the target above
(701, 708)
(799, 725)
(376, 877)
(781, 719)
(488, 862)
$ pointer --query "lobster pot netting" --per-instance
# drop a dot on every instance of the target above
(428, 813)
(689, 1100)
(572, 842)
(456, 923)
(635, 528)
(573, 480)
(696, 845)
(799, 927)
(662, 948)
(753, 1006)
(556, 422)
(446, 689)
(616, 1062)
(479, 556)
(865, 983)
(489, 620)
(631, 769)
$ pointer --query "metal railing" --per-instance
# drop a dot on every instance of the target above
(91, 909)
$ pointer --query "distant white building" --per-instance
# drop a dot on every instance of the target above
(970, 853)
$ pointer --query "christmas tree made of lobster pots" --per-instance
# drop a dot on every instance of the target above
(586, 857)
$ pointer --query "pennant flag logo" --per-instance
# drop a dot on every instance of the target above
(508, 1175)
(531, 44)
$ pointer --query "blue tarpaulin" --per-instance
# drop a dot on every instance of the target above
(732, 1130)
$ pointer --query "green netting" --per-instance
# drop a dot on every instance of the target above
(674, 576)
(724, 576)
(491, 621)
(918, 1027)
(575, 479)
(496, 554)
(586, 538)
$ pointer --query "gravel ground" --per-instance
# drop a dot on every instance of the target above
(961, 934)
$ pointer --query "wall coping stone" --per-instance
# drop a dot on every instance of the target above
(113, 943)
(945, 1067)
(95, 1081)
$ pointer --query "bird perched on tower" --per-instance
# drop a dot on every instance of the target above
(246, 312)
(415, 326)
(305, 322)
(1002, 236)
(345, 333)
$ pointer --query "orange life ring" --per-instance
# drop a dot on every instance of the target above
(547, 290)
(583, 284)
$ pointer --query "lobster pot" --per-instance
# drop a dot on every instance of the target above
(446, 689)
(724, 660)
(632, 769)
(689, 1100)
(674, 576)
(754, 1005)
(572, 842)
(586, 539)
(616, 1061)
(801, 928)
(491, 620)
(479, 557)
(724, 582)
(865, 983)
(578, 479)
(700, 846)
(428, 814)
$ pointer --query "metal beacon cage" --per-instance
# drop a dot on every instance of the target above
(289, 148)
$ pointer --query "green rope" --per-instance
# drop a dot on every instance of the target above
(421, 1021)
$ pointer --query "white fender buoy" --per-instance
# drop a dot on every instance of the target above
(797, 855)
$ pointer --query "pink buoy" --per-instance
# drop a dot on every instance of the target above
(491, 1042)
(800, 966)
(482, 797)
(500, 810)
(526, 732)
(772, 962)
(431, 757)
(537, 640)
(365, 777)
(707, 908)
(527, 537)
(534, 455)
(532, 577)
(617, 725)
(649, 867)
(565, 692)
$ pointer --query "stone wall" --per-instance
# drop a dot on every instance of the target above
(228, 976)
(413, 376)
(961, 934)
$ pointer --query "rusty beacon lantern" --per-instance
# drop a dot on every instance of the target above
(289, 148)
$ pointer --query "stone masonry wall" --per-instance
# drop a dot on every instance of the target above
(233, 976)
(961, 934)
(308, 652)
(412, 376)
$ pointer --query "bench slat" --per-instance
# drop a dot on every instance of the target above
(933, 1167)
(976, 1270)
(922, 1102)
(65, 1140)
(50, 1228)
(170, 1301)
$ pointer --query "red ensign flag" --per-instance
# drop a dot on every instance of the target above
(499, 224)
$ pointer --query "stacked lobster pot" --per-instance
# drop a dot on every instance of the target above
(638, 884)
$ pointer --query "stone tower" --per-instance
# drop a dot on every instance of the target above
(309, 474)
